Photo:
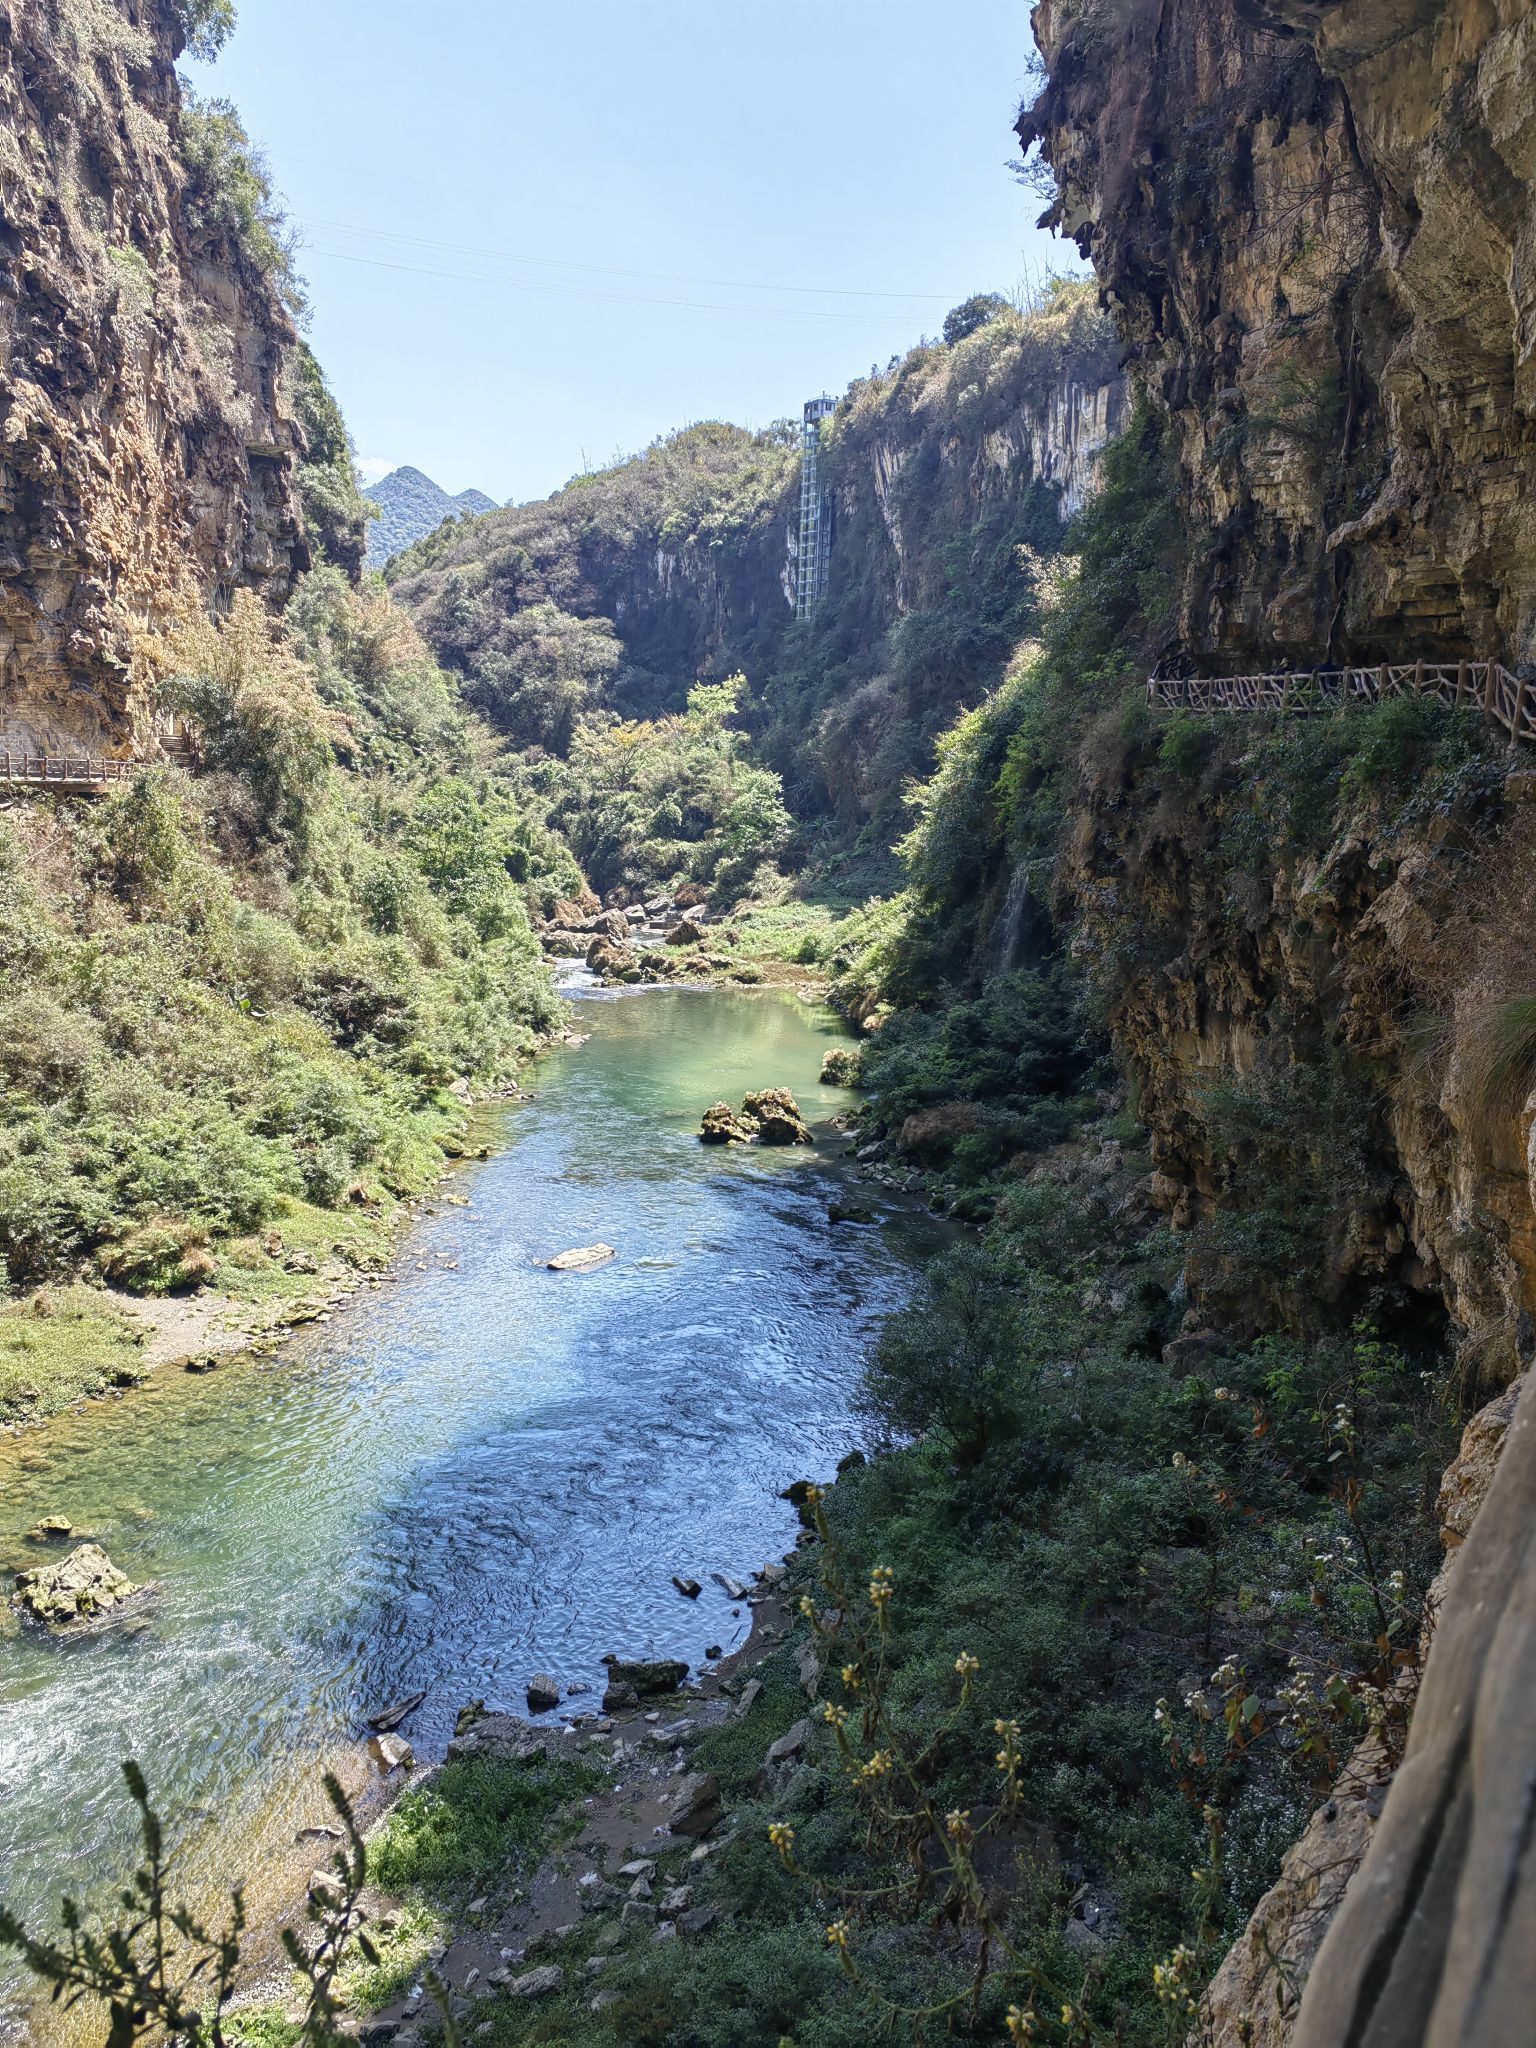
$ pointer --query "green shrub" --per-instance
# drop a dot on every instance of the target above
(480, 1821)
(167, 1256)
(1186, 745)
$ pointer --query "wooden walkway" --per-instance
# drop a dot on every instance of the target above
(68, 774)
(85, 774)
(1484, 686)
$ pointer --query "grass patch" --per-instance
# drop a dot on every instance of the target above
(60, 1345)
(402, 1953)
(262, 2027)
(477, 1826)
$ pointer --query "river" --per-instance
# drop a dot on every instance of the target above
(480, 1471)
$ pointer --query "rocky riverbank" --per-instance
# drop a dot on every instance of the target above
(625, 1861)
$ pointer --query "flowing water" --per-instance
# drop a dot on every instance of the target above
(480, 1471)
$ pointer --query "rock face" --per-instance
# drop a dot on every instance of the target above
(937, 471)
(1317, 960)
(148, 445)
(1450, 1859)
(1313, 226)
(80, 1588)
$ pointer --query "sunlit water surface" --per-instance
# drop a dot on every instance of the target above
(470, 1475)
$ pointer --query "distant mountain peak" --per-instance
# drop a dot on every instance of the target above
(411, 506)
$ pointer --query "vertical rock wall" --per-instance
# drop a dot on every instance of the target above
(1315, 226)
(147, 454)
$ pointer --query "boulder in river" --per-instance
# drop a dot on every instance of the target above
(723, 1125)
(80, 1588)
(768, 1116)
(51, 1529)
(689, 1588)
(392, 1753)
(650, 1679)
(843, 1067)
(777, 1116)
(543, 1693)
(612, 960)
(584, 1259)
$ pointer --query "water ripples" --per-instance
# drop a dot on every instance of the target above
(474, 1474)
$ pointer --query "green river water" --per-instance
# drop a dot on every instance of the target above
(470, 1475)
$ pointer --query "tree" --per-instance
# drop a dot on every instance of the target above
(206, 25)
(951, 1363)
(971, 314)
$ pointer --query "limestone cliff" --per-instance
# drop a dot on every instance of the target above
(1315, 226)
(1321, 994)
(147, 447)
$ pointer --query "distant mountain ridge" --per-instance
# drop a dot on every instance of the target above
(411, 507)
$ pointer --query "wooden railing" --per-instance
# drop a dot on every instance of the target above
(1484, 686)
(71, 773)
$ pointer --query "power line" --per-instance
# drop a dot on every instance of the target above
(575, 291)
(433, 243)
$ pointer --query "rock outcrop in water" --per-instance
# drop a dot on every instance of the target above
(81, 1588)
(768, 1116)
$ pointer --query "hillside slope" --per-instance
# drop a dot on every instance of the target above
(237, 990)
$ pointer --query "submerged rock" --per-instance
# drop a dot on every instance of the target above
(79, 1589)
(388, 1719)
(583, 1259)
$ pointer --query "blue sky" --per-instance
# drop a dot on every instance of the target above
(537, 235)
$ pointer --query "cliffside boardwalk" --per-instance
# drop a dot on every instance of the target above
(1485, 686)
(67, 774)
